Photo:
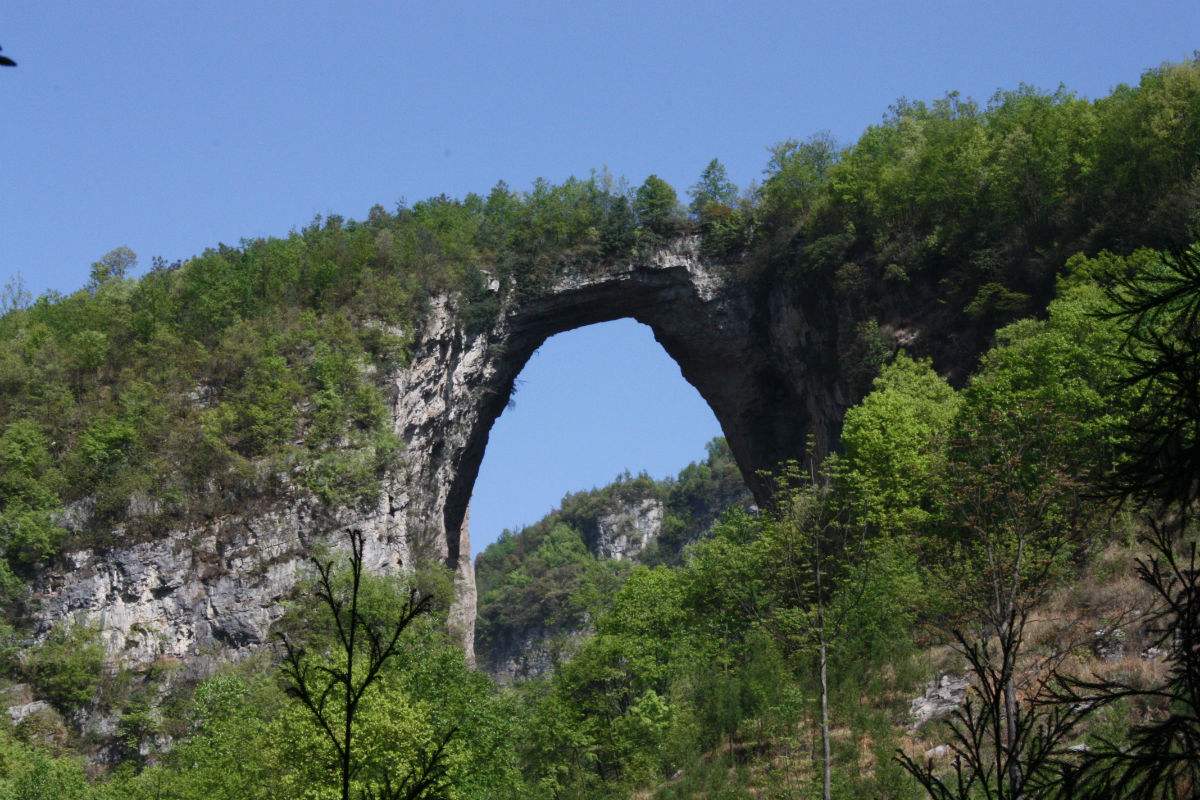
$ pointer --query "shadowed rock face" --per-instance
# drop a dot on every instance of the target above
(765, 361)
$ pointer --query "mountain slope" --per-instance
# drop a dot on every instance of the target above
(539, 587)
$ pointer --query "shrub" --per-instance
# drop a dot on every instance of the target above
(67, 667)
(29, 486)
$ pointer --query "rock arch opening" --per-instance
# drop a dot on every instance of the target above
(712, 364)
(762, 355)
(590, 403)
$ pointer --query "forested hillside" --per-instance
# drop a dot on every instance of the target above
(540, 587)
(1010, 510)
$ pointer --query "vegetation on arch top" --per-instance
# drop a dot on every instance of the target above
(255, 370)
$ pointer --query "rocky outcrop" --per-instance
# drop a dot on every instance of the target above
(18, 714)
(943, 696)
(623, 533)
(764, 360)
(18, 702)
(205, 594)
(1109, 643)
(534, 653)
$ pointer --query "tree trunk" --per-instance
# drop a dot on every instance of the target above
(828, 761)
(1010, 725)
(352, 625)
(1004, 629)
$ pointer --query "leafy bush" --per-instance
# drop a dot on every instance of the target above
(67, 667)
(29, 773)
(29, 489)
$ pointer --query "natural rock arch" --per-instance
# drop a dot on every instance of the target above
(764, 357)
(764, 363)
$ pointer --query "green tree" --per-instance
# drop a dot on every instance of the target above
(617, 234)
(618, 680)
(29, 773)
(794, 176)
(29, 495)
(14, 296)
(894, 445)
(112, 266)
(713, 188)
(724, 223)
(227, 755)
(657, 206)
(68, 666)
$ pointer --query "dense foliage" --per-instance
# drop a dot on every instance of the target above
(963, 215)
(701, 675)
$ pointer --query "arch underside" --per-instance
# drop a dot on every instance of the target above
(720, 340)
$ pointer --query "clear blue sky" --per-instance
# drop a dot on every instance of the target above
(170, 127)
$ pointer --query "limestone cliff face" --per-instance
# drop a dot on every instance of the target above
(533, 653)
(623, 533)
(764, 360)
(205, 594)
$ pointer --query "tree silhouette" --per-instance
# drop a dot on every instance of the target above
(1160, 759)
(1161, 308)
(367, 643)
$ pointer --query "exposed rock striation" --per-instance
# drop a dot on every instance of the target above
(205, 594)
(533, 653)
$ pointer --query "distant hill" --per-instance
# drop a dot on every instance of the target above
(540, 586)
